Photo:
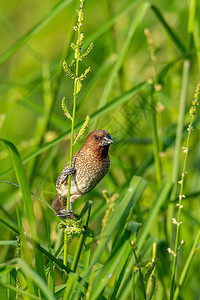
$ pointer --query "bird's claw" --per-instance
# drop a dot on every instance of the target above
(66, 213)
(69, 171)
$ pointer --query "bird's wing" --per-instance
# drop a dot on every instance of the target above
(63, 177)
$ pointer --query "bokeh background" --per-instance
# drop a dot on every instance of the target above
(35, 39)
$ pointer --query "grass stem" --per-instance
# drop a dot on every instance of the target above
(72, 227)
(181, 195)
(156, 143)
(179, 134)
(70, 162)
(81, 242)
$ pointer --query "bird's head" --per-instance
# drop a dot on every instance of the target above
(98, 140)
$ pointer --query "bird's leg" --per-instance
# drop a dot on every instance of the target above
(66, 213)
(69, 171)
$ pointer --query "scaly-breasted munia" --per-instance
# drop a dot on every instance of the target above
(89, 165)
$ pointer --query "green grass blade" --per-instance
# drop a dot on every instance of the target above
(135, 190)
(71, 285)
(164, 71)
(108, 24)
(178, 141)
(120, 100)
(146, 227)
(43, 121)
(186, 267)
(25, 254)
(156, 142)
(19, 291)
(34, 195)
(121, 275)
(87, 252)
(23, 40)
(3, 292)
(51, 274)
(109, 267)
(36, 245)
(10, 225)
(11, 281)
(125, 259)
(94, 81)
(7, 267)
(174, 37)
(133, 285)
(197, 40)
(49, 255)
(191, 22)
(26, 196)
(81, 241)
(180, 125)
(133, 28)
(8, 243)
(56, 121)
(21, 178)
(36, 279)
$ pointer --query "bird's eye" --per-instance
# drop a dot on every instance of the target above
(97, 138)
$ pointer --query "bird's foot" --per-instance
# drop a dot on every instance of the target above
(66, 213)
(69, 171)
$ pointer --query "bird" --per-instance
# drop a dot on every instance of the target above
(89, 165)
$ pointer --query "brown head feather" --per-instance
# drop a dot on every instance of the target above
(95, 144)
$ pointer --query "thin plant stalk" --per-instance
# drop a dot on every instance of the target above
(133, 285)
(186, 68)
(156, 143)
(154, 114)
(81, 241)
(187, 264)
(71, 153)
(59, 75)
(152, 274)
(185, 81)
(180, 125)
(77, 87)
(72, 135)
(181, 195)
(141, 277)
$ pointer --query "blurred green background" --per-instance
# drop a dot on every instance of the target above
(33, 83)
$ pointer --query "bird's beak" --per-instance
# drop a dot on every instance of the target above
(107, 140)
